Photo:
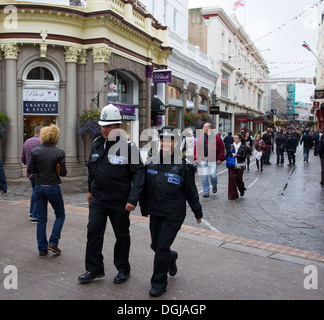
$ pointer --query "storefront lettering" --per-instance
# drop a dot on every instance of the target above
(40, 108)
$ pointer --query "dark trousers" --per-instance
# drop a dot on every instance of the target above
(291, 156)
(163, 232)
(268, 154)
(280, 155)
(119, 218)
(235, 181)
(322, 165)
(258, 162)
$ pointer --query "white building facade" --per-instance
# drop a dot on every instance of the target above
(193, 82)
(241, 95)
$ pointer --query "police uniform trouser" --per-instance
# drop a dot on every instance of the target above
(119, 218)
(163, 232)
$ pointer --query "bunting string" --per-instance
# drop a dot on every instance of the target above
(284, 24)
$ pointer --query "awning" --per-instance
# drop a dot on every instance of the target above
(157, 106)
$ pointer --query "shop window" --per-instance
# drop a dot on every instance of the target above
(224, 84)
(40, 73)
(175, 93)
(191, 97)
(120, 88)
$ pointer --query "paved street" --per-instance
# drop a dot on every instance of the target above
(283, 205)
(253, 248)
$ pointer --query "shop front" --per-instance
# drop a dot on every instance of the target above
(320, 117)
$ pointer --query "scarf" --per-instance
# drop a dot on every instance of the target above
(236, 149)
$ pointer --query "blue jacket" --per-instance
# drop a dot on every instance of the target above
(3, 181)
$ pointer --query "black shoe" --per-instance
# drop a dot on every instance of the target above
(206, 195)
(89, 277)
(173, 267)
(215, 190)
(242, 194)
(157, 292)
(121, 277)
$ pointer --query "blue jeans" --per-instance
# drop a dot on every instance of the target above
(53, 195)
(208, 169)
(306, 153)
(33, 208)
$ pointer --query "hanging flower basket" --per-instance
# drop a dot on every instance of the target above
(194, 119)
(88, 123)
(4, 125)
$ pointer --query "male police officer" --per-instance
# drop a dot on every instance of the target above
(169, 183)
(114, 187)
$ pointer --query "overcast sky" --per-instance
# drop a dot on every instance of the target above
(259, 17)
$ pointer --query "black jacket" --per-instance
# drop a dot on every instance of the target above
(291, 145)
(280, 141)
(168, 187)
(320, 148)
(116, 174)
(43, 162)
(308, 141)
(267, 139)
(241, 153)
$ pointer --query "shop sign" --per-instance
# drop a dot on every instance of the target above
(127, 112)
(243, 120)
(214, 109)
(41, 101)
(162, 76)
(319, 94)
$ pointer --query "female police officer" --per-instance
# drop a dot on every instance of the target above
(169, 183)
(115, 184)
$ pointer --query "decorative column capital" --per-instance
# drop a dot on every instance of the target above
(82, 56)
(10, 50)
(72, 54)
(101, 54)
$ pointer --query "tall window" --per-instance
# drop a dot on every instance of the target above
(175, 93)
(224, 84)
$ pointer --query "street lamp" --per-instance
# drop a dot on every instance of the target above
(241, 84)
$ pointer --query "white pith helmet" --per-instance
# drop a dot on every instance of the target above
(110, 115)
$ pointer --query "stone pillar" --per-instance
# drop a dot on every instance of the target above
(71, 58)
(12, 152)
(101, 56)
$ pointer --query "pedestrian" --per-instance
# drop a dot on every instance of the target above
(169, 183)
(210, 153)
(320, 152)
(267, 138)
(259, 153)
(280, 141)
(115, 182)
(3, 180)
(290, 147)
(28, 146)
(228, 140)
(48, 162)
(188, 145)
(308, 144)
(249, 145)
(238, 151)
(317, 139)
